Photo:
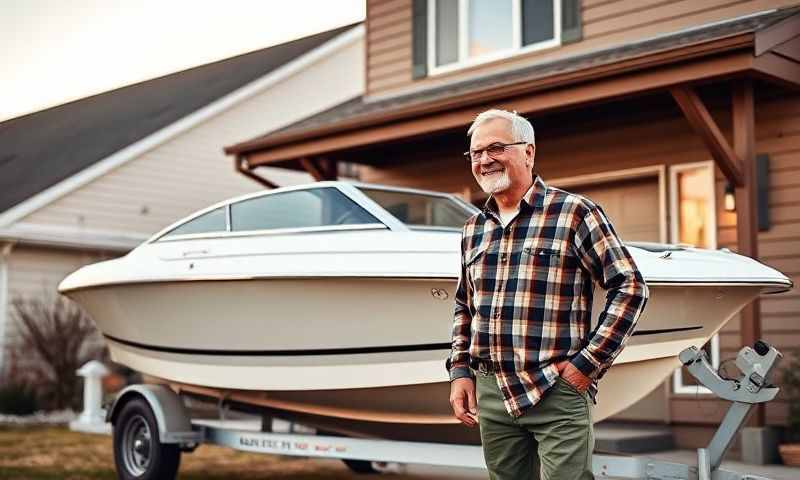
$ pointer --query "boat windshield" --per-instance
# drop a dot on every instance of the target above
(421, 210)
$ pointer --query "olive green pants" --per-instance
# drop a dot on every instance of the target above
(554, 438)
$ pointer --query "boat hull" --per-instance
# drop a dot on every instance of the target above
(262, 342)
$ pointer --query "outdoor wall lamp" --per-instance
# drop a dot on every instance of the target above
(730, 197)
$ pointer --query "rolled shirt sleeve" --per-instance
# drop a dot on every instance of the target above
(458, 362)
(602, 253)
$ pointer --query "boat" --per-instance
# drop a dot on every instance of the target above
(332, 303)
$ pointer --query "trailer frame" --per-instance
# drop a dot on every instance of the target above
(173, 426)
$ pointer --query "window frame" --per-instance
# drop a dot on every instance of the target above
(463, 38)
(678, 387)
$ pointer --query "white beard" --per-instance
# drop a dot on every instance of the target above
(496, 183)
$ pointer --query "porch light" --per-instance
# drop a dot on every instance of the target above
(730, 198)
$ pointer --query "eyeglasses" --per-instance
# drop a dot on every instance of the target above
(494, 150)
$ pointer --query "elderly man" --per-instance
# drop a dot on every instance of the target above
(526, 355)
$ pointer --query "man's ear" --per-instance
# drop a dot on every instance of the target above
(530, 154)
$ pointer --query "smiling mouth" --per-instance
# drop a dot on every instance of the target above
(491, 172)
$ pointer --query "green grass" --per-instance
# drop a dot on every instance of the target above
(44, 453)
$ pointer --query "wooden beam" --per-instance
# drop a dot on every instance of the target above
(746, 211)
(724, 66)
(320, 168)
(778, 69)
(774, 35)
(731, 55)
(243, 167)
(701, 121)
(329, 167)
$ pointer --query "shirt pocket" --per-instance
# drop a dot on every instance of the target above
(549, 257)
(542, 256)
(477, 261)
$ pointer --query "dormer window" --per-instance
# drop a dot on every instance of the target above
(468, 32)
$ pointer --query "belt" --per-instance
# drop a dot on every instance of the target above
(484, 367)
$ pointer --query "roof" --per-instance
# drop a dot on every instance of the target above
(337, 118)
(41, 149)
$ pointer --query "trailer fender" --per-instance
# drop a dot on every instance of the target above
(174, 424)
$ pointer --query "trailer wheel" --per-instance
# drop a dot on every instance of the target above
(138, 451)
(360, 466)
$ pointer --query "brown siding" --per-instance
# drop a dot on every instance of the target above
(388, 43)
(605, 23)
(670, 141)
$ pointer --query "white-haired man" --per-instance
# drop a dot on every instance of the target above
(522, 329)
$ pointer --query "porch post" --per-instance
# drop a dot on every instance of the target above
(746, 209)
(5, 253)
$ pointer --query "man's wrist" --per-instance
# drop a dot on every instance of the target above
(584, 365)
(460, 371)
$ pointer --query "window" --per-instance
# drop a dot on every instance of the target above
(693, 210)
(298, 209)
(419, 210)
(467, 32)
(213, 221)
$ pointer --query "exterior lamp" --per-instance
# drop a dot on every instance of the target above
(730, 198)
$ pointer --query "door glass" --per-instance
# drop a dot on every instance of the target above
(695, 204)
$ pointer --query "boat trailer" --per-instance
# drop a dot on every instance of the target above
(152, 428)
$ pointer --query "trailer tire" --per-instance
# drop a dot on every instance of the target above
(360, 466)
(138, 451)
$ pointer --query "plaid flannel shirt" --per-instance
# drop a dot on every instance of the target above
(524, 295)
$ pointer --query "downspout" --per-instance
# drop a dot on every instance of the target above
(5, 253)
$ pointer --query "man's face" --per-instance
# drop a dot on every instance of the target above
(511, 169)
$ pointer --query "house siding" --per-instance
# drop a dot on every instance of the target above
(191, 171)
(670, 141)
(605, 24)
(34, 273)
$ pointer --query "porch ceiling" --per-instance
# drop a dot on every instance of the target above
(758, 46)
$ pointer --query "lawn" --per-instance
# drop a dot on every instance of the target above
(37, 453)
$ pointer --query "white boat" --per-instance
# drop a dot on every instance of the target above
(332, 302)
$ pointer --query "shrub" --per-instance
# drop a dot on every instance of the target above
(18, 399)
(56, 338)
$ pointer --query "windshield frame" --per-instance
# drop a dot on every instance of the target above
(357, 186)
(349, 189)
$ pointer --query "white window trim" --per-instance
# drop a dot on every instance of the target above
(463, 38)
(678, 386)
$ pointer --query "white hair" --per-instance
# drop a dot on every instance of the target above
(521, 128)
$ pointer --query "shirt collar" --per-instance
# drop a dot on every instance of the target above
(531, 201)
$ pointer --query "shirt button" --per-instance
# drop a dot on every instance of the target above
(497, 314)
(503, 257)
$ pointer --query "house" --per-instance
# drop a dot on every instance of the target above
(93, 178)
(679, 117)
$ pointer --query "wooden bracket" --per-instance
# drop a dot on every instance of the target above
(243, 167)
(701, 121)
(319, 168)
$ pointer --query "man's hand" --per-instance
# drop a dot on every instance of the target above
(462, 399)
(573, 376)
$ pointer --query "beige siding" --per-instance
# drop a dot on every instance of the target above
(605, 23)
(190, 171)
(35, 273)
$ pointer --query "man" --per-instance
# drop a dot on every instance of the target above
(522, 329)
